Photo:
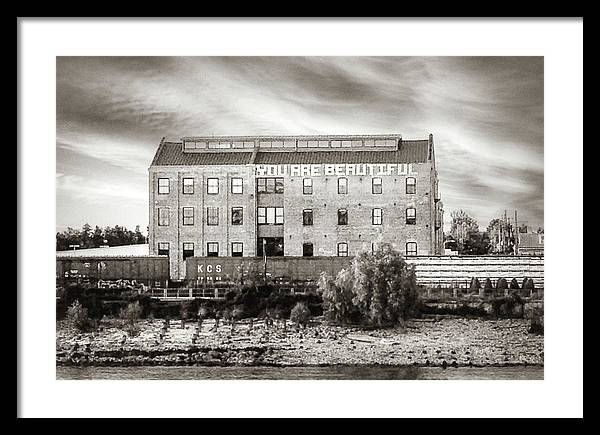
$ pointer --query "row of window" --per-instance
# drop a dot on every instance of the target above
(273, 216)
(237, 249)
(275, 185)
(288, 143)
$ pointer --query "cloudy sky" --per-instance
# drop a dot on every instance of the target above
(486, 115)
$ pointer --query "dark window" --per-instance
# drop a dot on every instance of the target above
(411, 185)
(307, 249)
(376, 186)
(212, 186)
(411, 216)
(342, 186)
(237, 249)
(307, 186)
(212, 249)
(342, 216)
(188, 250)
(342, 249)
(411, 248)
(163, 248)
(188, 185)
(269, 185)
(237, 216)
(237, 185)
(377, 216)
(212, 216)
(163, 186)
(307, 217)
(163, 216)
(188, 215)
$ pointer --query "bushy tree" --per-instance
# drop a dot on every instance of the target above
(77, 317)
(487, 286)
(514, 284)
(300, 314)
(380, 286)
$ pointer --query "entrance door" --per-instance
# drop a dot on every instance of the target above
(272, 246)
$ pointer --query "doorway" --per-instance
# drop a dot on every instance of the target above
(270, 246)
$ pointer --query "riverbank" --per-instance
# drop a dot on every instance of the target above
(442, 342)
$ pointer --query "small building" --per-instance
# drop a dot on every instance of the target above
(531, 244)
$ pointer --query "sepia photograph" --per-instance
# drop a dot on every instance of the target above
(300, 217)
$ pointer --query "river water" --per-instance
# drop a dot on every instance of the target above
(301, 373)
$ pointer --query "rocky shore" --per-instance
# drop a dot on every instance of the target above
(440, 342)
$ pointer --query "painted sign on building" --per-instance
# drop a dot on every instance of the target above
(338, 170)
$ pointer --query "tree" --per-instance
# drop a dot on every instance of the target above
(476, 244)
(461, 226)
(380, 288)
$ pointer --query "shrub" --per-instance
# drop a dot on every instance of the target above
(514, 284)
(77, 317)
(528, 284)
(131, 314)
(475, 285)
(300, 314)
(487, 286)
(501, 284)
(237, 313)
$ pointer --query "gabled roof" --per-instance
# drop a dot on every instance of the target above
(170, 153)
(528, 240)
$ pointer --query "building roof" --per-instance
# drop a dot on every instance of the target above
(531, 240)
(140, 250)
(170, 153)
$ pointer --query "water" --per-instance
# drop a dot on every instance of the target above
(301, 373)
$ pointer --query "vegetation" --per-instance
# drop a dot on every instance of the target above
(77, 317)
(88, 238)
(514, 284)
(380, 288)
(300, 314)
(475, 285)
(130, 316)
(501, 284)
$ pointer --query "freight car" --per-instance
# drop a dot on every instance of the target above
(136, 272)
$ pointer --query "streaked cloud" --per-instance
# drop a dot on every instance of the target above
(486, 114)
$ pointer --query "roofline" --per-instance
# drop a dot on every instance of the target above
(301, 136)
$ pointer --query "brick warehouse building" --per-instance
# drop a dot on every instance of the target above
(292, 196)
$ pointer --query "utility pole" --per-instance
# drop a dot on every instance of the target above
(516, 234)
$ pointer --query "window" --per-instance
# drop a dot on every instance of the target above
(261, 217)
(188, 185)
(411, 248)
(237, 185)
(342, 249)
(342, 216)
(163, 186)
(307, 186)
(307, 249)
(212, 249)
(163, 216)
(188, 215)
(411, 185)
(278, 185)
(188, 250)
(212, 186)
(307, 217)
(376, 186)
(212, 216)
(377, 216)
(237, 216)
(270, 215)
(269, 185)
(163, 248)
(411, 216)
(342, 186)
(237, 249)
